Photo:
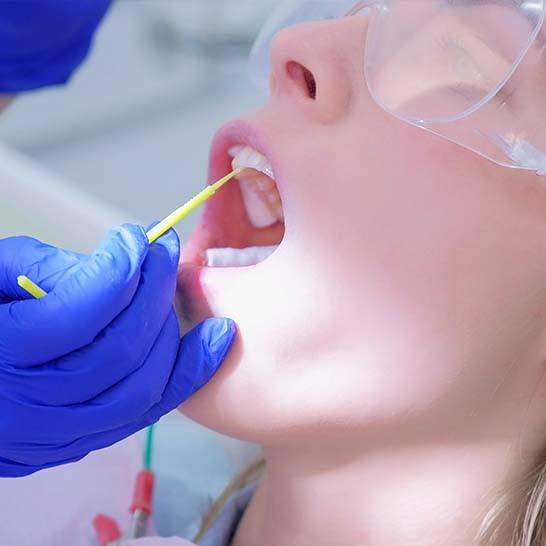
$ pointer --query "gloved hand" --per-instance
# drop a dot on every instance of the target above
(100, 357)
(42, 42)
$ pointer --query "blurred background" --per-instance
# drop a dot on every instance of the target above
(128, 140)
(131, 133)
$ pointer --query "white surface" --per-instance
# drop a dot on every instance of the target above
(36, 203)
(133, 75)
(150, 169)
(56, 507)
(135, 125)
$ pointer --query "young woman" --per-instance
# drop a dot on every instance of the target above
(392, 350)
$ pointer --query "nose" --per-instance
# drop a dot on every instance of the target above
(319, 67)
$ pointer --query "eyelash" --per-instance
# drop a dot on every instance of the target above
(502, 98)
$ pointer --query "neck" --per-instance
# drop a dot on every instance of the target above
(422, 496)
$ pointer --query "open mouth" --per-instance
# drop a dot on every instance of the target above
(243, 225)
(262, 204)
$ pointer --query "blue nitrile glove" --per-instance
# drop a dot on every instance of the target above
(42, 42)
(100, 357)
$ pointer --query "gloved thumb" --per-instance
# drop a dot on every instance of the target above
(202, 351)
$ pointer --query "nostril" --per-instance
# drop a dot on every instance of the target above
(303, 77)
(311, 83)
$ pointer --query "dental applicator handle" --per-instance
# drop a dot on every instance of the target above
(157, 231)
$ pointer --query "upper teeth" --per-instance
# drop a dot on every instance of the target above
(257, 182)
(245, 156)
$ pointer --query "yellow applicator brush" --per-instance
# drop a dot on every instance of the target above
(157, 231)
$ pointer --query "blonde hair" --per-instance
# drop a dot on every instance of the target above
(248, 476)
(529, 516)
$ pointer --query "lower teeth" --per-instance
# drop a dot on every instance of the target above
(238, 257)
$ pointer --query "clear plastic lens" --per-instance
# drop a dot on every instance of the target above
(471, 71)
(434, 61)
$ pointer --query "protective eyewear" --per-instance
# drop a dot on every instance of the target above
(471, 71)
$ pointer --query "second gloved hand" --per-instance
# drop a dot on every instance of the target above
(42, 42)
(101, 356)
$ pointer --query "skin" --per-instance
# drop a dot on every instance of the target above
(391, 353)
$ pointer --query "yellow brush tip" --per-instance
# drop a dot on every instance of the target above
(32, 288)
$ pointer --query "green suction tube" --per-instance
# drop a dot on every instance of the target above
(149, 448)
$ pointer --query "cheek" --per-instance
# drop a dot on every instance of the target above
(285, 326)
(409, 294)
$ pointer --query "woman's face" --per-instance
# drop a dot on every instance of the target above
(408, 295)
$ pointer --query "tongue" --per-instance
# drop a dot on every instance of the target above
(238, 257)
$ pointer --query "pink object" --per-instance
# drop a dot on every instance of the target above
(107, 530)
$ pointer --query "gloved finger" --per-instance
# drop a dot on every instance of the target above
(79, 307)
(120, 349)
(200, 354)
(42, 263)
(123, 403)
(9, 469)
